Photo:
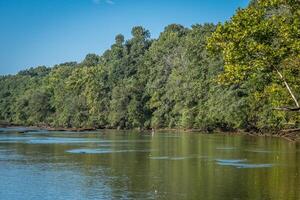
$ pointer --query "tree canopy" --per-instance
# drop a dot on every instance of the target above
(260, 46)
(242, 74)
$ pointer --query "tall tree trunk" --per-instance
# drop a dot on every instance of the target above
(288, 88)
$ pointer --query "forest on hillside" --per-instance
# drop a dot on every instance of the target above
(242, 74)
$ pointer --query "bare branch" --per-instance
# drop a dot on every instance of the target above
(288, 88)
(287, 109)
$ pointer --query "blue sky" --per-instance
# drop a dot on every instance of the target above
(48, 32)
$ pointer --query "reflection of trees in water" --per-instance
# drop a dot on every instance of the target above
(190, 173)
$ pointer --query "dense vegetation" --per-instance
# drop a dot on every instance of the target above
(243, 74)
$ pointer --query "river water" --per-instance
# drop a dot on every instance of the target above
(38, 165)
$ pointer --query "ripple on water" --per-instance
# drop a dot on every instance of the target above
(226, 148)
(241, 164)
(176, 157)
(260, 151)
(102, 151)
(60, 141)
(231, 160)
(10, 139)
(78, 140)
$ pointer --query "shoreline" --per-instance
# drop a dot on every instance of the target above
(292, 135)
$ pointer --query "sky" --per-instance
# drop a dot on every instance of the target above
(49, 32)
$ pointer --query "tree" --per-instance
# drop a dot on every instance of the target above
(91, 60)
(258, 45)
(258, 40)
(163, 56)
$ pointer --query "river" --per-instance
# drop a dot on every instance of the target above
(42, 165)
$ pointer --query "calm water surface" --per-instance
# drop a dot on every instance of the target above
(42, 165)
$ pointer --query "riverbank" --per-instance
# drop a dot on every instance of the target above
(292, 135)
(34, 128)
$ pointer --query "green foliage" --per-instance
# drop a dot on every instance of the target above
(91, 60)
(173, 81)
(259, 45)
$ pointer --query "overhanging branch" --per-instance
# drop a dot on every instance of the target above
(288, 88)
(287, 109)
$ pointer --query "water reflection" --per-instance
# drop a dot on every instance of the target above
(128, 165)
